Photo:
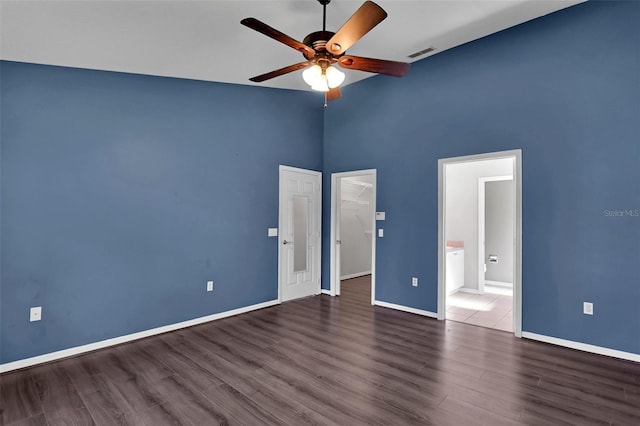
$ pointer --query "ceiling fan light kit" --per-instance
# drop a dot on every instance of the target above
(323, 79)
(319, 72)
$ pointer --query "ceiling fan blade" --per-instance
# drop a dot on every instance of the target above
(265, 29)
(333, 94)
(380, 66)
(281, 71)
(368, 16)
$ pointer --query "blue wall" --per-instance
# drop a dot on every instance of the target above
(123, 194)
(565, 89)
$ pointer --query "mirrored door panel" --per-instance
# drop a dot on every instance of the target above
(300, 232)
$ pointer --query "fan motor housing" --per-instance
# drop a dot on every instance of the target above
(318, 40)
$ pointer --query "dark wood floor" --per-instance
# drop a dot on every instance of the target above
(324, 360)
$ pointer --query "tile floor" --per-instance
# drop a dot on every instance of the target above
(493, 309)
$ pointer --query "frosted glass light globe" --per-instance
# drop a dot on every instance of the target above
(321, 85)
(312, 74)
(335, 77)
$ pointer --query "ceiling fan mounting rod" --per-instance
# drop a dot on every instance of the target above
(324, 4)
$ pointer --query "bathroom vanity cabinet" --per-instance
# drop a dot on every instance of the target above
(454, 269)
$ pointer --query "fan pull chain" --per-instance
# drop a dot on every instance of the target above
(325, 100)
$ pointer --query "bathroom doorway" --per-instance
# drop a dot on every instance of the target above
(479, 240)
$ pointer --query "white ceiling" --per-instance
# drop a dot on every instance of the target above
(204, 40)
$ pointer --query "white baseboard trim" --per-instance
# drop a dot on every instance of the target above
(405, 309)
(327, 292)
(499, 283)
(356, 275)
(65, 353)
(468, 290)
(582, 346)
(455, 290)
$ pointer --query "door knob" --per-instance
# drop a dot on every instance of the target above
(338, 242)
(285, 242)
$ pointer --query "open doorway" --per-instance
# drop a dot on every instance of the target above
(353, 200)
(479, 244)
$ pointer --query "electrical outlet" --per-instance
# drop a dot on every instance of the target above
(587, 308)
(414, 282)
(380, 233)
(209, 285)
(35, 313)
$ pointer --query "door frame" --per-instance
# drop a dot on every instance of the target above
(516, 155)
(335, 205)
(318, 257)
(482, 224)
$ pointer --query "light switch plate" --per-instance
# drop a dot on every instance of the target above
(272, 232)
(209, 285)
(587, 308)
(380, 233)
(380, 215)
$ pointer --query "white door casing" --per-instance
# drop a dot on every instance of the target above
(516, 155)
(335, 246)
(482, 260)
(337, 239)
(299, 253)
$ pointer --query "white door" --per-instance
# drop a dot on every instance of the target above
(300, 232)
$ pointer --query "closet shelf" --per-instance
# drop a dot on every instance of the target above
(350, 200)
(357, 182)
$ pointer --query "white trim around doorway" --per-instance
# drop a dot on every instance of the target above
(481, 225)
(516, 155)
(335, 205)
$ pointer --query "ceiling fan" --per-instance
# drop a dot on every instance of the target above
(322, 49)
